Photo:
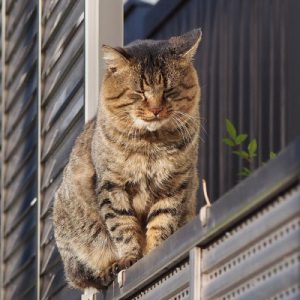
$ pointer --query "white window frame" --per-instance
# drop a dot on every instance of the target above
(103, 25)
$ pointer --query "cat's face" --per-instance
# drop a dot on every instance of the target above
(152, 84)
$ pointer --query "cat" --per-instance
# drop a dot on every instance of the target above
(131, 179)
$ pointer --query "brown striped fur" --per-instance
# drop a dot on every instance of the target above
(131, 180)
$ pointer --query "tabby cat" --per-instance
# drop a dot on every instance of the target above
(131, 180)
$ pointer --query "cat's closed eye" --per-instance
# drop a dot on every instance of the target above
(136, 96)
(171, 93)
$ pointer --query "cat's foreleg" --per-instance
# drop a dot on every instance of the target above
(163, 219)
(122, 226)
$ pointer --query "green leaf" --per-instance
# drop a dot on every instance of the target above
(230, 129)
(240, 138)
(252, 147)
(228, 142)
(242, 154)
(272, 155)
(245, 172)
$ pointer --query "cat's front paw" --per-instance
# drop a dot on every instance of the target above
(151, 244)
(107, 276)
(124, 263)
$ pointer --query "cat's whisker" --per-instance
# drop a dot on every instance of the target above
(198, 120)
(184, 124)
(193, 123)
(179, 129)
(185, 129)
(187, 117)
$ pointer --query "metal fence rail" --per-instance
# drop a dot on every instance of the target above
(247, 248)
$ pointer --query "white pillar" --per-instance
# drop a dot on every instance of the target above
(103, 25)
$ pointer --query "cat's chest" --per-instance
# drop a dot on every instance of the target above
(139, 168)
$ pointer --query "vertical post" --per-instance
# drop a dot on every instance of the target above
(103, 25)
(195, 273)
(39, 149)
(91, 54)
(111, 26)
(3, 18)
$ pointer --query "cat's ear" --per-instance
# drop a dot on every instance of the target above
(187, 44)
(115, 57)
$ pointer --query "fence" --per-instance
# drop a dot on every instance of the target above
(248, 64)
(246, 245)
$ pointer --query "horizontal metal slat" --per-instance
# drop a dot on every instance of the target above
(16, 114)
(17, 272)
(26, 28)
(59, 102)
(13, 135)
(67, 293)
(63, 125)
(9, 5)
(18, 262)
(23, 131)
(24, 96)
(47, 233)
(23, 158)
(72, 72)
(28, 294)
(50, 258)
(48, 8)
(16, 15)
(166, 286)
(48, 197)
(20, 237)
(55, 164)
(17, 215)
(22, 246)
(22, 284)
(291, 293)
(27, 197)
(18, 61)
(27, 83)
(56, 19)
(20, 185)
(19, 161)
(62, 49)
(26, 66)
(55, 283)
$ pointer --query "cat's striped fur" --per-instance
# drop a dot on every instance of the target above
(131, 180)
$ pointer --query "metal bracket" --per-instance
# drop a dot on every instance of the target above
(204, 214)
(121, 278)
(195, 273)
(89, 294)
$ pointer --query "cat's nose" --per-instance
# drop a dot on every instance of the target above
(156, 110)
